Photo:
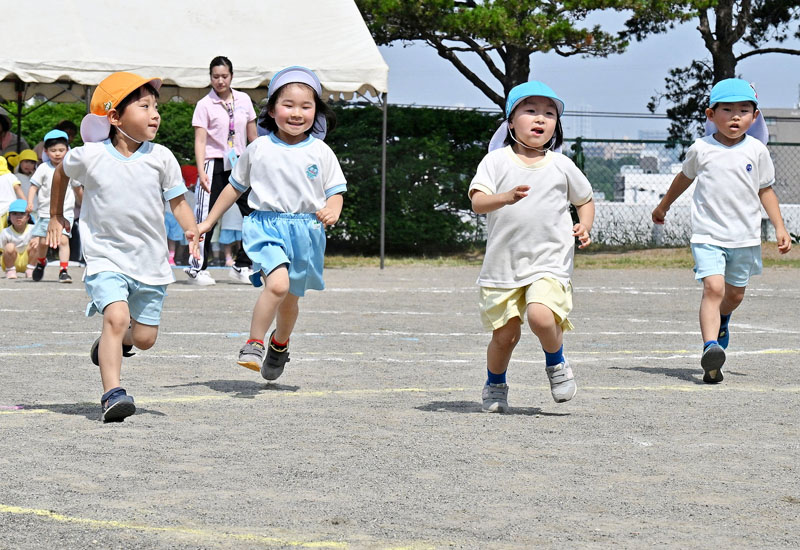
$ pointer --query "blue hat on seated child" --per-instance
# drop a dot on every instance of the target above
(515, 96)
(55, 134)
(18, 206)
(732, 90)
(301, 75)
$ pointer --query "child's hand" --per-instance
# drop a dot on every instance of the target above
(194, 239)
(579, 230)
(659, 214)
(327, 216)
(784, 241)
(29, 208)
(517, 194)
(54, 228)
(202, 229)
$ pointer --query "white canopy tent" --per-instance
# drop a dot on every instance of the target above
(64, 55)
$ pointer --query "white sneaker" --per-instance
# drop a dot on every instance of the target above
(199, 278)
(240, 274)
(562, 382)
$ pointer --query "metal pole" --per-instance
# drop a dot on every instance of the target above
(20, 88)
(385, 102)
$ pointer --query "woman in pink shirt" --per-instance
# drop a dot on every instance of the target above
(224, 123)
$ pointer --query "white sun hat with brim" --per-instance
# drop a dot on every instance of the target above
(301, 75)
(515, 96)
(109, 93)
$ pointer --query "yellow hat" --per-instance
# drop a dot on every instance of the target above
(3, 166)
(27, 154)
(108, 94)
(12, 159)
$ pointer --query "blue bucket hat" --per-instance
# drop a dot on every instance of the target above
(732, 90)
(515, 96)
(18, 206)
(55, 134)
(302, 75)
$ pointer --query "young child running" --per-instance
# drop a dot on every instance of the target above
(526, 188)
(295, 187)
(126, 179)
(15, 241)
(734, 174)
(55, 144)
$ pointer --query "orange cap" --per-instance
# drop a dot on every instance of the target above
(108, 94)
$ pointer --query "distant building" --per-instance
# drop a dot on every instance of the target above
(784, 147)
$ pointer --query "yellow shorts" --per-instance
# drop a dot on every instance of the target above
(499, 305)
(21, 263)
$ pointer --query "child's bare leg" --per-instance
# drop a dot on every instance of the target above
(141, 336)
(9, 255)
(544, 326)
(731, 299)
(710, 306)
(275, 291)
(504, 340)
(41, 250)
(63, 249)
(116, 318)
(288, 310)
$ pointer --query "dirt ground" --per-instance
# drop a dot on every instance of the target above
(373, 438)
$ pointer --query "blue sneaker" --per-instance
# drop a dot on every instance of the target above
(117, 405)
(712, 360)
(724, 337)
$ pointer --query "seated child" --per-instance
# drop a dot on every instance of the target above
(15, 241)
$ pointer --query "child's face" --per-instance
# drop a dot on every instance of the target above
(56, 153)
(534, 121)
(221, 79)
(18, 220)
(27, 167)
(294, 113)
(140, 120)
(732, 120)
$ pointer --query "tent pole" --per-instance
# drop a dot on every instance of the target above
(385, 105)
(19, 86)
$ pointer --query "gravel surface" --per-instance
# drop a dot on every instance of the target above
(373, 437)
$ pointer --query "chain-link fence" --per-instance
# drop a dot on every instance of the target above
(630, 178)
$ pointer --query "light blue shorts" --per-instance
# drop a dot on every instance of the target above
(144, 301)
(229, 236)
(174, 229)
(272, 239)
(40, 229)
(736, 264)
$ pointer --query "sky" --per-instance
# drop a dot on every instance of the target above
(619, 83)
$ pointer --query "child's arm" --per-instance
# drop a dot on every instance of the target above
(31, 197)
(224, 201)
(483, 203)
(57, 220)
(770, 202)
(585, 222)
(18, 191)
(183, 213)
(78, 195)
(680, 184)
(329, 214)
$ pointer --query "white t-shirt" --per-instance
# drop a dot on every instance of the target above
(122, 215)
(43, 179)
(726, 209)
(19, 240)
(7, 195)
(288, 178)
(532, 238)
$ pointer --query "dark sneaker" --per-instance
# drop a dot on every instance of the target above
(712, 361)
(724, 337)
(251, 355)
(562, 382)
(63, 277)
(117, 405)
(94, 353)
(495, 398)
(38, 272)
(277, 357)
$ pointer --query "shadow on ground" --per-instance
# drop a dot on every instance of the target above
(242, 389)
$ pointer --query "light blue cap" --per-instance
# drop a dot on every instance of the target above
(18, 206)
(732, 90)
(532, 88)
(56, 134)
(296, 73)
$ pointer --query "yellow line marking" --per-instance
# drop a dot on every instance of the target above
(204, 533)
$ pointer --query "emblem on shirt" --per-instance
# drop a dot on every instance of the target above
(749, 167)
(312, 171)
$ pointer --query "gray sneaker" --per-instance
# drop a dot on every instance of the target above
(712, 360)
(251, 355)
(495, 398)
(562, 382)
(277, 358)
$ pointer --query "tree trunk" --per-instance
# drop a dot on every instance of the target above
(518, 67)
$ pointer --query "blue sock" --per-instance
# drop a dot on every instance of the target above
(710, 343)
(724, 335)
(495, 378)
(551, 359)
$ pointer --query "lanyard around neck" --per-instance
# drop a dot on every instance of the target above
(231, 129)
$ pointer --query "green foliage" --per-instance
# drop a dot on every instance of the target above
(176, 132)
(40, 118)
